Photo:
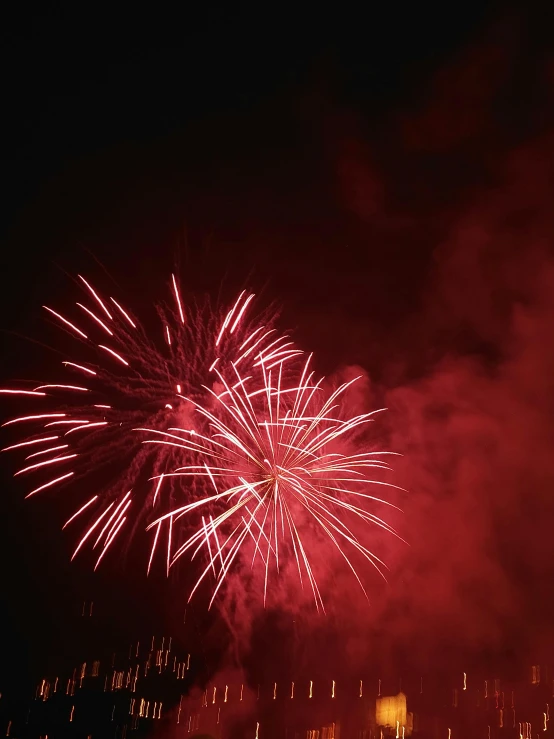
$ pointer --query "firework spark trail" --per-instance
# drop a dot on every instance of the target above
(269, 454)
(130, 380)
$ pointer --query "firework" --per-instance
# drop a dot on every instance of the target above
(82, 425)
(219, 434)
(274, 455)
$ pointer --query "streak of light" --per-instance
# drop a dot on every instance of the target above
(63, 387)
(96, 297)
(84, 507)
(38, 417)
(49, 484)
(5, 391)
(67, 323)
(178, 299)
(87, 426)
(90, 530)
(68, 422)
(80, 367)
(30, 443)
(124, 313)
(114, 354)
(95, 318)
(241, 312)
(228, 318)
(45, 463)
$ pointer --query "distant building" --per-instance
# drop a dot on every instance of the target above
(391, 713)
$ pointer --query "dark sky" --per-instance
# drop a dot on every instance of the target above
(388, 178)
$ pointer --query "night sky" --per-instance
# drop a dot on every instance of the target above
(388, 179)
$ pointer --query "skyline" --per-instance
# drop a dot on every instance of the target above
(154, 685)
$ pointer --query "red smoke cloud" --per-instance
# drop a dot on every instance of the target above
(475, 427)
(466, 371)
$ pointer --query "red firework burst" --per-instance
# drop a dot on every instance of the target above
(244, 448)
